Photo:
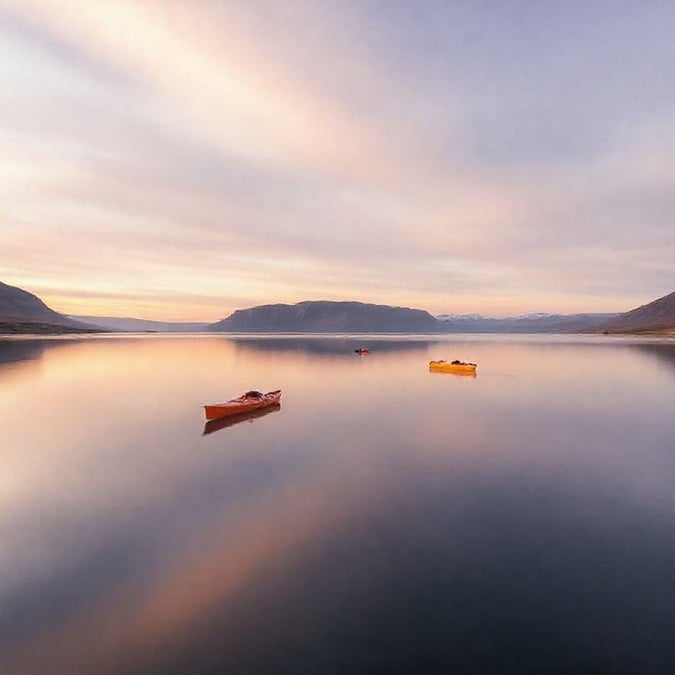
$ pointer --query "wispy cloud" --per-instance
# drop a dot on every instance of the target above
(445, 156)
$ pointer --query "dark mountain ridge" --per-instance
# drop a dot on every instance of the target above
(657, 316)
(23, 312)
(324, 316)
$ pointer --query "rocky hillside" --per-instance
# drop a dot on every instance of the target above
(655, 317)
(23, 312)
(328, 317)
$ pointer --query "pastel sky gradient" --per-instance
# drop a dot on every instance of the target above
(168, 159)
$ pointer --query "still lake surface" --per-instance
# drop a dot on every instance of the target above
(384, 520)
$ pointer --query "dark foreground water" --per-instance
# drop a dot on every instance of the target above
(384, 520)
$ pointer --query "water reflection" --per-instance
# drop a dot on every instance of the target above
(337, 346)
(663, 353)
(225, 422)
(452, 374)
(14, 351)
(387, 522)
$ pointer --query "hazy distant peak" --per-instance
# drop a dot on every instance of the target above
(458, 317)
(535, 315)
(132, 325)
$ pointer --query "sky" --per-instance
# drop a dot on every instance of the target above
(176, 160)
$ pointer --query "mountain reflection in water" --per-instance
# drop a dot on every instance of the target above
(322, 345)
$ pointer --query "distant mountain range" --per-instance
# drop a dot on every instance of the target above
(356, 317)
(23, 312)
(529, 323)
(129, 325)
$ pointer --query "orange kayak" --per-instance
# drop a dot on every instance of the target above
(251, 400)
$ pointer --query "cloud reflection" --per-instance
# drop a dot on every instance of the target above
(131, 541)
(124, 625)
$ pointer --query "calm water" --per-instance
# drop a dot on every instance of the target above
(384, 520)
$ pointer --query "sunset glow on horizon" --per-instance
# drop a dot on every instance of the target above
(176, 161)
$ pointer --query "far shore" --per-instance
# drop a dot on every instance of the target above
(28, 329)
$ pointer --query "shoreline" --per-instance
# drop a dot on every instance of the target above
(30, 328)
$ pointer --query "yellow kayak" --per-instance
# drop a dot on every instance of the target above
(452, 366)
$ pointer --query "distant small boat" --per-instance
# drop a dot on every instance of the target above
(361, 350)
(251, 400)
(452, 366)
(225, 422)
